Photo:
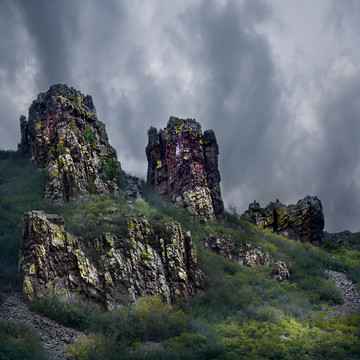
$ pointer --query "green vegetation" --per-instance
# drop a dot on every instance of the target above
(242, 312)
(22, 189)
(112, 171)
(89, 135)
(18, 342)
(346, 248)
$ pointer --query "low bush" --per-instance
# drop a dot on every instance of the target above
(22, 189)
(18, 342)
(75, 313)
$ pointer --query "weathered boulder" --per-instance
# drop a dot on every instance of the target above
(142, 263)
(183, 167)
(246, 255)
(303, 221)
(280, 271)
(64, 136)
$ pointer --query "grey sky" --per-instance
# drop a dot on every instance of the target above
(278, 81)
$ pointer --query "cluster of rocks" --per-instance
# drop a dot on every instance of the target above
(303, 221)
(247, 255)
(183, 167)
(143, 263)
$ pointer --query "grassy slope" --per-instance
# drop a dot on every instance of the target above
(242, 313)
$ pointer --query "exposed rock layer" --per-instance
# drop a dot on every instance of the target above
(142, 263)
(303, 221)
(183, 167)
(64, 136)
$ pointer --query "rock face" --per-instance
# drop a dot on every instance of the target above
(246, 255)
(303, 221)
(142, 263)
(183, 167)
(64, 136)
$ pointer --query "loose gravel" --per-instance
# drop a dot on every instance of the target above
(55, 337)
(350, 296)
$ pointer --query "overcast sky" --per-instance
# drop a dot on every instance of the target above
(278, 81)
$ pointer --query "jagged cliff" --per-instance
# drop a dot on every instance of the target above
(141, 262)
(64, 136)
(183, 167)
(303, 221)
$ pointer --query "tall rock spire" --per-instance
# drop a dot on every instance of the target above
(183, 167)
(65, 137)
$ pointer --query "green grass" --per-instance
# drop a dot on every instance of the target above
(21, 189)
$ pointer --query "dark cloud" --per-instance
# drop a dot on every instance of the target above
(143, 62)
(53, 28)
(240, 96)
(338, 158)
(15, 72)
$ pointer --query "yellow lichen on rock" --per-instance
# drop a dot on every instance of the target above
(32, 269)
(28, 289)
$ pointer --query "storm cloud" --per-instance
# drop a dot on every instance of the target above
(279, 82)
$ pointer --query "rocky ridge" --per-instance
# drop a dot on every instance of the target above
(183, 167)
(140, 262)
(64, 136)
(303, 221)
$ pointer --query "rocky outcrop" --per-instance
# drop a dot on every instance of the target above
(303, 221)
(280, 271)
(144, 262)
(246, 255)
(183, 167)
(64, 136)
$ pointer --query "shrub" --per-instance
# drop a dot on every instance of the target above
(22, 189)
(19, 342)
(75, 313)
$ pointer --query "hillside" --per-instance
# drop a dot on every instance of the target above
(241, 312)
(147, 270)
